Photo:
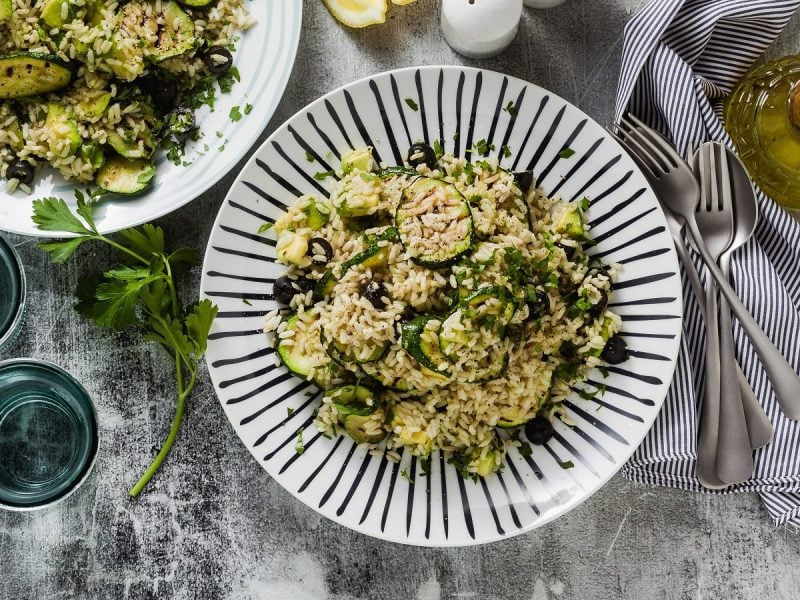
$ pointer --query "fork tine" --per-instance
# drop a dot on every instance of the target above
(714, 201)
(658, 157)
(726, 195)
(700, 167)
(707, 178)
(641, 156)
(632, 153)
(658, 139)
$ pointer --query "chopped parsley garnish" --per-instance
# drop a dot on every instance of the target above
(248, 108)
(483, 148)
(566, 465)
(505, 151)
(322, 175)
(411, 104)
(525, 449)
(289, 411)
(455, 136)
(246, 301)
(603, 370)
(584, 203)
(425, 465)
(566, 153)
(404, 474)
(266, 227)
(298, 445)
(510, 108)
(309, 157)
(437, 148)
(235, 114)
(227, 80)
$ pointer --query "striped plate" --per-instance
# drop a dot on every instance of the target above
(268, 407)
(265, 55)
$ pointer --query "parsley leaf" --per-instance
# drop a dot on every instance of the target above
(525, 449)
(566, 153)
(141, 291)
(483, 148)
(248, 108)
(309, 157)
(266, 227)
(566, 465)
(322, 175)
(298, 444)
(411, 104)
(235, 114)
(404, 474)
(510, 108)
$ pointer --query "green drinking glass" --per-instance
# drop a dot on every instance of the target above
(48, 434)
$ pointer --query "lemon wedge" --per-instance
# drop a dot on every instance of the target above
(402, 2)
(358, 13)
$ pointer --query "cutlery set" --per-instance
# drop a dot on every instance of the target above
(713, 198)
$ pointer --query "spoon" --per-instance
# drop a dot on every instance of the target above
(745, 217)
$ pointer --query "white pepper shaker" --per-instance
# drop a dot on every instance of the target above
(542, 3)
(480, 28)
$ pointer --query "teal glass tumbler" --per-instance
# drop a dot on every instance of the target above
(48, 434)
(12, 295)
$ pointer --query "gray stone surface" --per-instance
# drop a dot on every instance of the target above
(214, 526)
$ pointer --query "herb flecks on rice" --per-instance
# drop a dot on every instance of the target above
(115, 73)
(454, 307)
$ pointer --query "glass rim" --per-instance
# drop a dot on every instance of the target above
(14, 328)
(86, 469)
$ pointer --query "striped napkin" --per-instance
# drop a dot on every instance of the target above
(680, 59)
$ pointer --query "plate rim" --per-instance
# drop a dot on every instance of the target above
(563, 509)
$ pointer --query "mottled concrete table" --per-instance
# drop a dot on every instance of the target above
(213, 525)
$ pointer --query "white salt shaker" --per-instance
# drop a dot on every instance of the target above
(480, 28)
(542, 3)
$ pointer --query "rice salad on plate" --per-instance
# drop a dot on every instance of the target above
(444, 304)
(93, 88)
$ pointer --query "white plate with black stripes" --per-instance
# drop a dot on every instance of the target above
(458, 106)
(264, 56)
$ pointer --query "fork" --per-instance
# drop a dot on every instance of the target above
(715, 224)
(678, 191)
(732, 457)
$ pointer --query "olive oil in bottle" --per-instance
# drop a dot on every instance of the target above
(762, 116)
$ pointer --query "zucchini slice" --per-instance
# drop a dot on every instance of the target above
(126, 177)
(416, 339)
(304, 352)
(172, 28)
(376, 255)
(342, 354)
(31, 74)
(62, 126)
(197, 3)
(359, 406)
(434, 222)
(353, 399)
(6, 10)
(356, 427)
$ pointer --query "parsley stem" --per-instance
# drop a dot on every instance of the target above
(122, 248)
(173, 295)
(173, 431)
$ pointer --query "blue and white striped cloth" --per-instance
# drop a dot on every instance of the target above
(680, 58)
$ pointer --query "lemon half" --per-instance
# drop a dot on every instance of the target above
(358, 13)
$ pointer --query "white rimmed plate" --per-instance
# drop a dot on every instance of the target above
(458, 106)
(265, 56)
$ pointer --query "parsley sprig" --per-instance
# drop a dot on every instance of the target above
(140, 291)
